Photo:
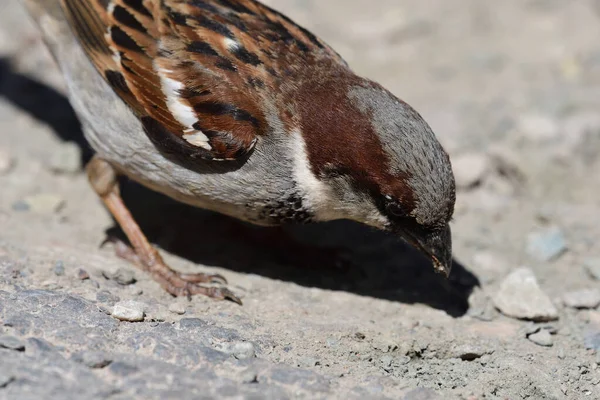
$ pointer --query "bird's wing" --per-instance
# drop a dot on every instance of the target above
(196, 72)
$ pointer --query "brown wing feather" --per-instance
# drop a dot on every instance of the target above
(196, 72)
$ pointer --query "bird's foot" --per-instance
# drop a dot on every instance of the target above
(176, 283)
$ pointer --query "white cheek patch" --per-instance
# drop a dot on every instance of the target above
(315, 192)
(322, 199)
(183, 113)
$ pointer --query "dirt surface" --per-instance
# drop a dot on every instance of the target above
(511, 88)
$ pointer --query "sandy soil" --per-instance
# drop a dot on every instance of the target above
(511, 88)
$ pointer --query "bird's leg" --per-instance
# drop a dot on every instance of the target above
(103, 178)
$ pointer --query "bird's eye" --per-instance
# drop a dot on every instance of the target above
(395, 210)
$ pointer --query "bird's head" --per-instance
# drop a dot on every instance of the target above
(372, 158)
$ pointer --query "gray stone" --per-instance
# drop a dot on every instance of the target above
(591, 340)
(592, 267)
(546, 245)
(541, 338)
(470, 169)
(192, 323)
(82, 274)
(122, 369)
(521, 297)
(249, 375)
(5, 379)
(95, 359)
(44, 203)
(123, 276)
(104, 296)
(582, 299)
(20, 206)
(129, 310)
(11, 343)
(37, 345)
(66, 159)
(59, 268)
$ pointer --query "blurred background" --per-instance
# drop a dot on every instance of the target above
(512, 90)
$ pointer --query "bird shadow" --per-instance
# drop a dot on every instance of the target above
(339, 255)
(43, 103)
(374, 263)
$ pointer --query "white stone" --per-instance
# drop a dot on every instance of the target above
(177, 308)
(243, 350)
(44, 203)
(470, 169)
(592, 266)
(129, 310)
(585, 298)
(521, 297)
(66, 159)
(541, 338)
(538, 127)
(6, 161)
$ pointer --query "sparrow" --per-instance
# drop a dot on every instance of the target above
(230, 106)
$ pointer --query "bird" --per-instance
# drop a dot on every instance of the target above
(230, 106)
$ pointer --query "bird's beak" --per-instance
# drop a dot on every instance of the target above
(437, 245)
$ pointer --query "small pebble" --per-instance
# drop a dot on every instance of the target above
(44, 203)
(82, 274)
(521, 297)
(331, 342)
(104, 296)
(177, 308)
(469, 352)
(129, 310)
(403, 360)
(243, 350)
(538, 127)
(307, 362)
(5, 379)
(66, 159)
(546, 245)
(136, 291)
(592, 267)
(542, 338)
(582, 299)
(11, 343)
(422, 394)
(38, 345)
(20, 206)
(123, 276)
(95, 359)
(591, 340)
(490, 265)
(6, 162)
(59, 268)
(249, 376)
(470, 169)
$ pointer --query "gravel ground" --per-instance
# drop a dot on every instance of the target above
(511, 88)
